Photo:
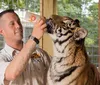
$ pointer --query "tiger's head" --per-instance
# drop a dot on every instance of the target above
(63, 28)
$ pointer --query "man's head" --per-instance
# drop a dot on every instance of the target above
(10, 26)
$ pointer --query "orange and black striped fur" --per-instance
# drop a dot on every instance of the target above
(70, 64)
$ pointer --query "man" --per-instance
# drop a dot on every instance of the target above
(21, 64)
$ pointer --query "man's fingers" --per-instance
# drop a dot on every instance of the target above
(41, 20)
(43, 27)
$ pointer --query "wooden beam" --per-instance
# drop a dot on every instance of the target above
(47, 8)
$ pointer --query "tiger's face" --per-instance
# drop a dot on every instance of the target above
(64, 28)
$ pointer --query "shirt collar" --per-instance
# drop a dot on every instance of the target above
(9, 49)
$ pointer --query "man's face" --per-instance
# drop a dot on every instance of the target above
(11, 27)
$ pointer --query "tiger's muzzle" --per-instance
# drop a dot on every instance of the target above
(50, 25)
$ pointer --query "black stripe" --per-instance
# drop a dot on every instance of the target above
(67, 32)
(61, 42)
(65, 48)
(67, 73)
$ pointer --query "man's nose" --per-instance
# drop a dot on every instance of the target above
(18, 25)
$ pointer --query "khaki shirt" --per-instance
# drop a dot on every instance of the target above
(35, 72)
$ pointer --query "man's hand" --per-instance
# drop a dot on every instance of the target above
(39, 28)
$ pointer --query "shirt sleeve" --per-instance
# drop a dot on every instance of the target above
(3, 66)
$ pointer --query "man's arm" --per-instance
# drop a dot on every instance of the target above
(18, 64)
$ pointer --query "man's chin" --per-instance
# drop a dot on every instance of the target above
(19, 38)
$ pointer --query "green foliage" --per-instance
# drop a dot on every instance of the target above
(89, 41)
(32, 5)
(15, 4)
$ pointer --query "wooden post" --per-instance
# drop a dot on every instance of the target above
(47, 8)
(99, 35)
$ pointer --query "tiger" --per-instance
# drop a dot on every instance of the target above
(70, 64)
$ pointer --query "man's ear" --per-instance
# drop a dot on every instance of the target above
(80, 34)
(1, 31)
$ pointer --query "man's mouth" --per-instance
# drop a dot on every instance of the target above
(20, 32)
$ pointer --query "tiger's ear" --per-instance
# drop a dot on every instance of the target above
(77, 23)
(80, 34)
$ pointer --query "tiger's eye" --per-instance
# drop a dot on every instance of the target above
(69, 25)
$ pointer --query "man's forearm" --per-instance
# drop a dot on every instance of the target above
(17, 65)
